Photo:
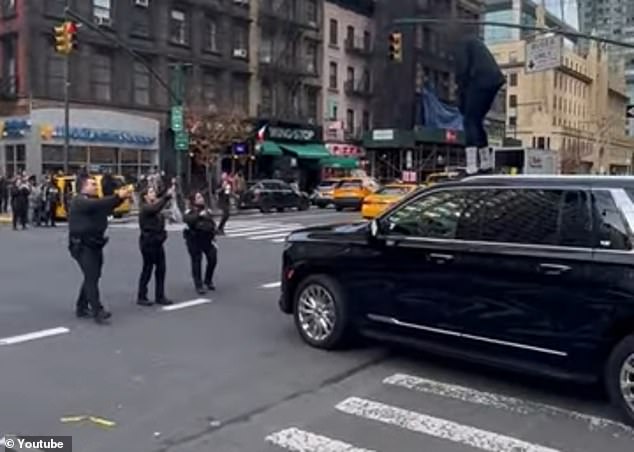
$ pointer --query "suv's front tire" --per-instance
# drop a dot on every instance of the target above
(320, 310)
(619, 377)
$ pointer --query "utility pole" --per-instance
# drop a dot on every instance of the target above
(66, 100)
(181, 137)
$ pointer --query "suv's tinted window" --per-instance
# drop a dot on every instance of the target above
(434, 216)
(521, 216)
(612, 232)
(575, 220)
(271, 185)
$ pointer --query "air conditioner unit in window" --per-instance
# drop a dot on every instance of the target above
(241, 2)
(142, 3)
(240, 53)
(103, 21)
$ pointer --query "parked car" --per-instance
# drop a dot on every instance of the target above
(531, 273)
(324, 193)
(387, 195)
(350, 192)
(267, 195)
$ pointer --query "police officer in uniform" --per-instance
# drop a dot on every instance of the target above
(87, 225)
(199, 238)
(153, 235)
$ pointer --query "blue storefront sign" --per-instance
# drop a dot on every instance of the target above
(103, 136)
(14, 127)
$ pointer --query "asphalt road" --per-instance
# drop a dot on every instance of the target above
(229, 374)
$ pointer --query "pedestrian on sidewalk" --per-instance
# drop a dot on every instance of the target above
(4, 194)
(200, 240)
(51, 201)
(20, 202)
(153, 236)
(87, 224)
(224, 201)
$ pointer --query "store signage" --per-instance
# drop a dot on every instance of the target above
(103, 136)
(181, 141)
(284, 133)
(239, 148)
(383, 135)
(14, 128)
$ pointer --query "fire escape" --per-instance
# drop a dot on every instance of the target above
(284, 62)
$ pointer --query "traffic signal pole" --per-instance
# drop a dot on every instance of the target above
(66, 109)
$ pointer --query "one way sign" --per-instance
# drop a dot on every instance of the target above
(630, 111)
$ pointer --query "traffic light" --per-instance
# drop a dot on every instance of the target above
(396, 46)
(65, 41)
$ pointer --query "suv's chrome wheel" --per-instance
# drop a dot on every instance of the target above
(627, 381)
(316, 312)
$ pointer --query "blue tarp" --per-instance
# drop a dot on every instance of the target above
(438, 114)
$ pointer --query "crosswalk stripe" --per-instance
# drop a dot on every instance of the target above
(245, 229)
(498, 401)
(279, 240)
(268, 231)
(297, 440)
(436, 427)
(270, 236)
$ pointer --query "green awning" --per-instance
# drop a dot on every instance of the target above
(339, 162)
(270, 148)
(306, 151)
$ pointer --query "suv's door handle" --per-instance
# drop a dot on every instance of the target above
(440, 258)
(553, 269)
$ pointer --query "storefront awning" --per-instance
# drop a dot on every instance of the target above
(339, 162)
(306, 151)
(270, 148)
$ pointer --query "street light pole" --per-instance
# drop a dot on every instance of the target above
(66, 101)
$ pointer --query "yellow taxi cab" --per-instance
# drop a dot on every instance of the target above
(325, 192)
(351, 191)
(67, 189)
(387, 195)
(445, 176)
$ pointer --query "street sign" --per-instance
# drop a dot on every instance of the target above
(630, 111)
(543, 54)
(177, 118)
(408, 177)
(181, 141)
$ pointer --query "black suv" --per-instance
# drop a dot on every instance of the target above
(267, 195)
(532, 273)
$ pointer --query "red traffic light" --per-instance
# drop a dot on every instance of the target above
(71, 27)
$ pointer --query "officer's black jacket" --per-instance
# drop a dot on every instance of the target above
(88, 216)
(152, 222)
(476, 66)
(200, 227)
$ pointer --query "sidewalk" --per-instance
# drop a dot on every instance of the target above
(5, 218)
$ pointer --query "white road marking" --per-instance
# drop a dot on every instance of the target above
(270, 236)
(436, 427)
(186, 304)
(297, 440)
(238, 229)
(279, 240)
(272, 285)
(2, 442)
(269, 231)
(497, 401)
(34, 335)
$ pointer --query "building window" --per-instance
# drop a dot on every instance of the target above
(350, 75)
(332, 79)
(512, 121)
(350, 120)
(513, 101)
(334, 33)
(8, 8)
(141, 84)
(365, 120)
(101, 76)
(9, 67)
(311, 57)
(141, 22)
(178, 26)
(311, 103)
(350, 34)
(240, 41)
(15, 159)
(513, 79)
(240, 95)
(55, 75)
(211, 35)
(210, 91)
(311, 11)
(266, 102)
(513, 57)
(101, 10)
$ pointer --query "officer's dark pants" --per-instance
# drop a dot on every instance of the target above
(197, 249)
(153, 259)
(90, 260)
(225, 217)
(477, 104)
(21, 216)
